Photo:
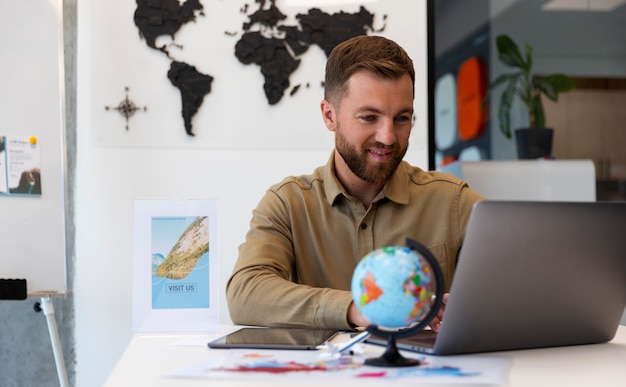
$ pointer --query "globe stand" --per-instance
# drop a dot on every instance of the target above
(392, 357)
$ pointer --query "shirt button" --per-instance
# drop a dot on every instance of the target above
(363, 226)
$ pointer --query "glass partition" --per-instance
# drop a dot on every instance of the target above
(583, 39)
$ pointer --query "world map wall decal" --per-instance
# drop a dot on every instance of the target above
(266, 40)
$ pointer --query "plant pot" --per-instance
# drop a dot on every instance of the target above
(534, 143)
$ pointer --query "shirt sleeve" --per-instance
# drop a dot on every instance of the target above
(467, 199)
(261, 291)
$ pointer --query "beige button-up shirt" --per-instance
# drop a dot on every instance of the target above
(307, 235)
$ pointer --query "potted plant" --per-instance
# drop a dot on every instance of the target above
(521, 82)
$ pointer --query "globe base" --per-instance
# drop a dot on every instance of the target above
(392, 357)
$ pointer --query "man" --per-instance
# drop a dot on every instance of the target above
(308, 233)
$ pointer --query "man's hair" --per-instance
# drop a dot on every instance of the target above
(377, 54)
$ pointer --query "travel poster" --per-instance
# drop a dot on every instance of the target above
(175, 265)
(180, 262)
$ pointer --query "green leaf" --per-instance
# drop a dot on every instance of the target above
(504, 78)
(510, 91)
(508, 52)
(561, 83)
(511, 78)
(546, 87)
(529, 59)
(537, 116)
(503, 115)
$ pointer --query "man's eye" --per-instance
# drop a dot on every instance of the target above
(368, 118)
(403, 119)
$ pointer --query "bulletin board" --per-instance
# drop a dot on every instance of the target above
(32, 149)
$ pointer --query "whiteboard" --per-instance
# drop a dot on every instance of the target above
(33, 226)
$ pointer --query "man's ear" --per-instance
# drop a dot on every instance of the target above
(329, 115)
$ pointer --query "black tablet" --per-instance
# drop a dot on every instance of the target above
(274, 338)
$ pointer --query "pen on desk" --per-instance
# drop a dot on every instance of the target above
(353, 341)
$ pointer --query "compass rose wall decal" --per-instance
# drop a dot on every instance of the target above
(126, 108)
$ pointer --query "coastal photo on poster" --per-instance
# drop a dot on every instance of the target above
(180, 262)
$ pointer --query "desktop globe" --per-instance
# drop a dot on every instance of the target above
(399, 290)
(393, 287)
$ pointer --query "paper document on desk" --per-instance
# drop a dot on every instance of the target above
(303, 365)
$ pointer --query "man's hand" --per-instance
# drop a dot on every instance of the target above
(356, 318)
(435, 324)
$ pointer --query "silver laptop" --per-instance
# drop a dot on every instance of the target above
(533, 275)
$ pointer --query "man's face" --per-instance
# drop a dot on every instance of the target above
(372, 124)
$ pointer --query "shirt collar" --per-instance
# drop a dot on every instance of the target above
(396, 189)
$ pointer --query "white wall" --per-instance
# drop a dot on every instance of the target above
(109, 178)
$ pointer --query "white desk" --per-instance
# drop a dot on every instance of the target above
(148, 357)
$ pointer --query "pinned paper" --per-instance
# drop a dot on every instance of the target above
(20, 166)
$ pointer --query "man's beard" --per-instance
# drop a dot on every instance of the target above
(357, 161)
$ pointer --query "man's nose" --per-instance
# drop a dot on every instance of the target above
(386, 133)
